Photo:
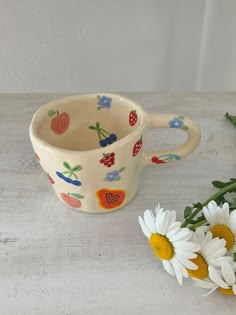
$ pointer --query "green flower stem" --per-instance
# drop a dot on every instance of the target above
(218, 194)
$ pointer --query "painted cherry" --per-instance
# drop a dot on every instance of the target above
(60, 123)
(72, 201)
(156, 160)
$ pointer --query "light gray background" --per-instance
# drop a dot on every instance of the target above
(125, 45)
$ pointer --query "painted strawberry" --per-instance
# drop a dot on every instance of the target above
(137, 147)
(133, 117)
(156, 160)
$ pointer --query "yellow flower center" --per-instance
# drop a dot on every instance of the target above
(222, 231)
(226, 291)
(161, 246)
(202, 271)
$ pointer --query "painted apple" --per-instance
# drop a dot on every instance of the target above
(60, 123)
(72, 200)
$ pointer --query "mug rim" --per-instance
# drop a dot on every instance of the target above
(34, 136)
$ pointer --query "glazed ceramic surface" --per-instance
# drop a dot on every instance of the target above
(91, 148)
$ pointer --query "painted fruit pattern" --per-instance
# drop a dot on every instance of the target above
(108, 159)
(137, 147)
(110, 198)
(72, 199)
(133, 118)
(71, 172)
(59, 123)
(105, 138)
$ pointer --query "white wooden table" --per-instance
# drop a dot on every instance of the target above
(54, 260)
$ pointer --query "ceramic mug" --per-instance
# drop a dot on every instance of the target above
(91, 147)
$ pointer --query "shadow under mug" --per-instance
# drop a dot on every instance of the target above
(91, 147)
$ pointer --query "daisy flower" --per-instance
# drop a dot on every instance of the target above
(211, 252)
(169, 241)
(222, 223)
(224, 280)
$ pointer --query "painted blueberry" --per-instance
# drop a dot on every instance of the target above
(59, 174)
(113, 137)
(105, 102)
(102, 142)
(176, 123)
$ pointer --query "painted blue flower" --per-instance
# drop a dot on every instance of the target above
(176, 123)
(111, 176)
(104, 102)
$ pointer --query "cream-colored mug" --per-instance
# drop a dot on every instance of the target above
(91, 148)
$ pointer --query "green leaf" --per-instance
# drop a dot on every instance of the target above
(234, 257)
(51, 113)
(122, 169)
(118, 178)
(99, 97)
(181, 117)
(77, 168)
(67, 165)
(185, 127)
(92, 127)
(218, 184)
(231, 118)
(187, 211)
(77, 196)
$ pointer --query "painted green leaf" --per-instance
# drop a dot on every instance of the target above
(99, 97)
(51, 113)
(169, 157)
(77, 196)
(77, 168)
(118, 178)
(67, 165)
(185, 127)
(92, 127)
(181, 117)
(121, 169)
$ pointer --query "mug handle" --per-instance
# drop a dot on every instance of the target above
(172, 121)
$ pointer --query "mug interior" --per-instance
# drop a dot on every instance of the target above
(86, 122)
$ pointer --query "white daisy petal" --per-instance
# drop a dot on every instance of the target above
(206, 284)
(185, 254)
(213, 246)
(150, 221)
(199, 235)
(168, 267)
(188, 246)
(207, 239)
(186, 263)
(145, 230)
(177, 270)
(216, 277)
(164, 225)
(228, 273)
(183, 235)
(172, 217)
(212, 206)
(232, 221)
(219, 253)
(234, 289)
(220, 218)
(160, 222)
(173, 229)
(225, 209)
(159, 211)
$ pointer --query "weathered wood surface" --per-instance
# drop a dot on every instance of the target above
(54, 260)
